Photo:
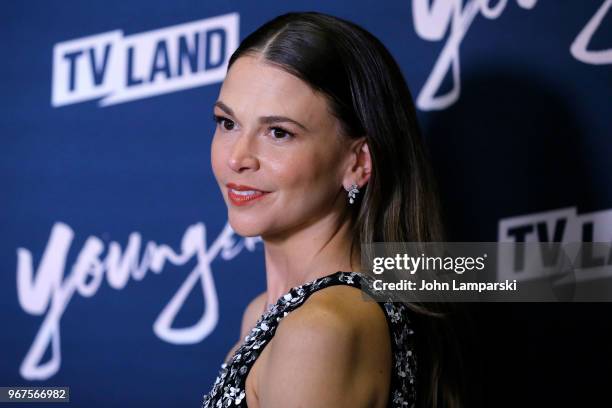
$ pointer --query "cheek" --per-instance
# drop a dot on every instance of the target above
(311, 173)
(217, 156)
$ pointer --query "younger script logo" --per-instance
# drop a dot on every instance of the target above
(433, 19)
(50, 291)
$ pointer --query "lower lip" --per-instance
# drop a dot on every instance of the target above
(241, 200)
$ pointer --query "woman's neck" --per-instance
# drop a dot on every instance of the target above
(309, 253)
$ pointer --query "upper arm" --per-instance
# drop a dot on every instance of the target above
(315, 361)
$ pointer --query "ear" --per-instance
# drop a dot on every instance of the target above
(359, 168)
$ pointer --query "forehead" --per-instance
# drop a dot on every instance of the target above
(255, 87)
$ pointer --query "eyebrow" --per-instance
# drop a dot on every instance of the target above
(266, 120)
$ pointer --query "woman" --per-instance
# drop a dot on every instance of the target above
(317, 149)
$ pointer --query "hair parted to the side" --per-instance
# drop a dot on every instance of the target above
(369, 96)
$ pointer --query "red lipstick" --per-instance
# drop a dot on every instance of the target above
(240, 195)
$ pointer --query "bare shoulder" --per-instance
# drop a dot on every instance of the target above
(341, 305)
(334, 350)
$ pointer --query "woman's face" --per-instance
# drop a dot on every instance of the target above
(276, 153)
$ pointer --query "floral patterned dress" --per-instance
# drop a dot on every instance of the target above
(229, 387)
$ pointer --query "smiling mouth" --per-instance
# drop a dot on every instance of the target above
(244, 197)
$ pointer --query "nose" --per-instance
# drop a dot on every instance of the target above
(242, 156)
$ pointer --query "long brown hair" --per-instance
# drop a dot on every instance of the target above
(369, 96)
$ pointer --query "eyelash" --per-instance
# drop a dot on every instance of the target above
(219, 119)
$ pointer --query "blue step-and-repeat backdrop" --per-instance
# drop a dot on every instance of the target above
(120, 276)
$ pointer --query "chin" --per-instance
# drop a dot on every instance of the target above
(245, 228)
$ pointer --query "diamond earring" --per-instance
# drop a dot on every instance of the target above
(352, 192)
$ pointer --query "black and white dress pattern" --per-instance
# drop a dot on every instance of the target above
(229, 387)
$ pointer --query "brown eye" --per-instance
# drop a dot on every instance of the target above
(280, 133)
(228, 124)
(225, 122)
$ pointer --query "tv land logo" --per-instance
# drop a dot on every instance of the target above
(563, 226)
(120, 68)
